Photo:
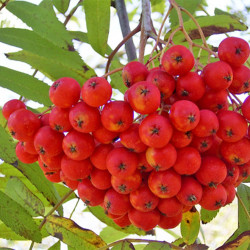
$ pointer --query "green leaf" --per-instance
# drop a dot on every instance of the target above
(218, 24)
(116, 78)
(158, 246)
(41, 54)
(61, 5)
(56, 246)
(109, 234)
(56, 67)
(7, 234)
(99, 213)
(190, 226)
(3, 182)
(79, 36)
(2, 119)
(190, 5)
(178, 242)
(83, 37)
(97, 14)
(139, 246)
(72, 234)
(242, 242)
(158, 6)
(42, 21)
(243, 192)
(25, 85)
(35, 175)
(7, 145)
(9, 170)
(208, 215)
(63, 190)
(19, 192)
(124, 245)
(17, 218)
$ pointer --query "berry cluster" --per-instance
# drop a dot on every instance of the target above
(187, 145)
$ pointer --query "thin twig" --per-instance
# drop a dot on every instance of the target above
(133, 32)
(4, 4)
(112, 72)
(160, 30)
(72, 12)
(74, 209)
(51, 212)
(146, 28)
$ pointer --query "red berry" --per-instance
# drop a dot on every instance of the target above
(134, 72)
(96, 91)
(11, 106)
(234, 51)
(177, 60)
(65, 92)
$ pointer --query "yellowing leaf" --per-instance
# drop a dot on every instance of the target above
(190, 226)
(72, 234)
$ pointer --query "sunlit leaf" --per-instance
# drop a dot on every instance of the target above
(7, 145)
(56, 246)
(35, 175)
(210, 25)
(190, 5)
(124, 245)
(190, 226)
(242, 242)
(158, 6)
(8, 234)
(243, 192)
(109, 234)
(17, 218)
(25, 85)
(43, 55)
(19, 192)
(42, 21)
(61, 5)
(63, 190)
(208, 215)
(97, 14)
(158, 246)
(116, 78)
(73, 235)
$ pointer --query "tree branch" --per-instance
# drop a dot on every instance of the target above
(124, 23)
(146, 27)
